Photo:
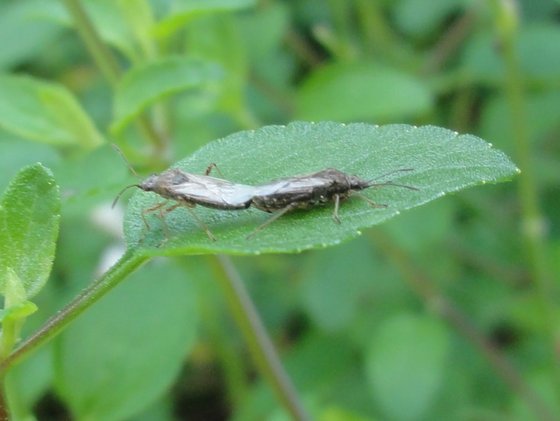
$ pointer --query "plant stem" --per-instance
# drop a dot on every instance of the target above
(258, 341)
(97, 48)
(3, 401)
(107, 63)
(380, 39)
(424, 287)
(233, 368)
(302, 49)
(89, 296)
(450, 43)
(532, 220)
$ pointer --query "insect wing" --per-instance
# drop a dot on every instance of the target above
(293, 185)
(215, 192)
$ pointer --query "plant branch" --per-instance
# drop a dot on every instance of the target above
(258, 341)
(3, 407)
(97, 48)
(380, 38)
(450, 42)
(107, 63)
(532, 220)
(52, 327)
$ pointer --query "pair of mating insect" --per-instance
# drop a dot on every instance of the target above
(278, 196)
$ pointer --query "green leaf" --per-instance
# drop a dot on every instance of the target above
(29, 218)
(415, 19)
(542, 112)
(185, 11)
(16, 153)
(361, 91)
(138, 15)
(114, 21)
(406, 364)
(109, 20)
(132, 343)
(23, 35)
(45, 112)
(205, 39)
(442, 162)
(538, 48)
(322, 289)
(146, 84)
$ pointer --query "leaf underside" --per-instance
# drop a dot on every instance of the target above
(442, 161)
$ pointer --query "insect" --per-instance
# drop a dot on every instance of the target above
(310, 190)
(278, 197)
(189, 190)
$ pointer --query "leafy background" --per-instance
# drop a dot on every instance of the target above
(424, 317)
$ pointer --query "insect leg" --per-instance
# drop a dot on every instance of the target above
(273, 218)
(162, 213)
(160, 207)
(369, 201)
(201, 223)
(152, 209)
(209, 169)
(335, 217)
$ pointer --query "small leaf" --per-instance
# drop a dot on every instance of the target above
(18, 312)
(29, 219)
(146, 84)
(361, 91)
(406, 364)
(442, 162)
(185, 11)
(44, 112)
(132, 343)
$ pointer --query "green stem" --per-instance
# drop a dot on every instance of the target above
(450, 43)
(377, 33)
(97, 48)
(10, 333)
(301, 48)
(258, 341)
(532, 219)
(16, 409)
(233, 368)
(52, 327)
(108, 65)
(340, 13)
(3, 401)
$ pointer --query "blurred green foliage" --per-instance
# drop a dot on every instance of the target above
(449, 311)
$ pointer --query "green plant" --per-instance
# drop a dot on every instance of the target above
(180, 74)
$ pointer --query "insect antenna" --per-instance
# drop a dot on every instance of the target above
(130, 168)
(390, 183)
(126, 161)
(373, 183)
(121, 192)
